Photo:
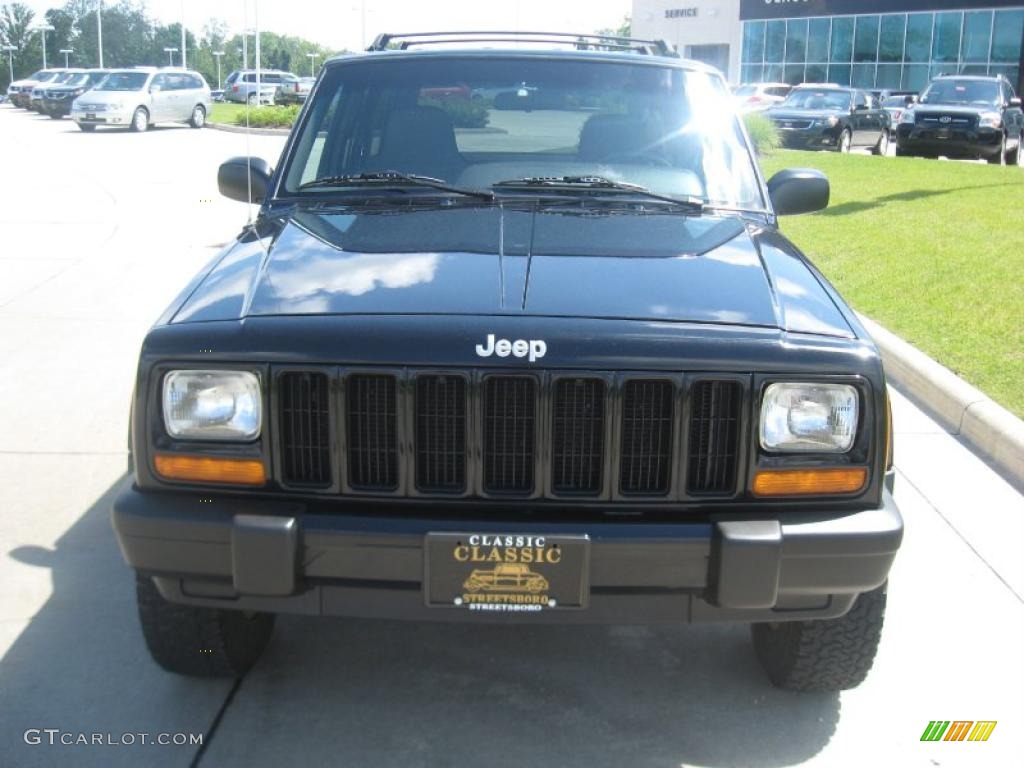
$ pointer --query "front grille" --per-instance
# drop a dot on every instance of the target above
(714, 437)
(450, 432)
(577, 435)
(304, 403)
(800, 125)
(509, 433)
(371, 410)
(441, 433)
(646, 455)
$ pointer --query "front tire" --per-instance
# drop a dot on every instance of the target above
(882, 147)
(200, 642)
(198, 119)
(140, 120)
(826, 654)
(87, 127)
(845, 141)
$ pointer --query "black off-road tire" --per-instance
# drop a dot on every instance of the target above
(87, 127)
(823, 655)
(201, 642)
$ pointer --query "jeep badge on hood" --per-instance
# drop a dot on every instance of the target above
(535, 348)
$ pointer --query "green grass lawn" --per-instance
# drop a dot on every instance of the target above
(932, 250)
(225, 112)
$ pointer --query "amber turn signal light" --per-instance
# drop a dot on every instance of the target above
(803, 482)
(210, 469)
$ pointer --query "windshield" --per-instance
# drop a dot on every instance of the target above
(80, 79)
(474, 122)
(811, 98)
(124, 81)
(962, 92)
(47, 77)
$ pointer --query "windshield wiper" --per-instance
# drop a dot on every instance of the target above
(599, 183)
(394, 179)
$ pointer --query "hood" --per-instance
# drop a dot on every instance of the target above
(803, 114)
(496, 261)
(965, 110)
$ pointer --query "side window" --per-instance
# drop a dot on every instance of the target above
(272, 78)
(160, 81)
(250, 78)
(194, 82)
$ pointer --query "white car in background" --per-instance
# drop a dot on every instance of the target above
(136, 98)
(757, 97)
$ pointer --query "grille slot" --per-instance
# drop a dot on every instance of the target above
(577, 435)
(372, 437)
(305, 429)
(509, 434)
(714, 437)
(441, 433)
(645, 461)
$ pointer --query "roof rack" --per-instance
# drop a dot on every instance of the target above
(580, 41)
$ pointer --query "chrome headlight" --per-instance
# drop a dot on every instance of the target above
(990, 120)
(814, 418)
(831, 121)
(212, 405)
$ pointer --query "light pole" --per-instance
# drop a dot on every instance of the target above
(10, 58)
(99, 30)
(170, 55)
(312, 63)
(43, 29)
(67, 52)
(183, 45)
(245, 47)
(217, 55)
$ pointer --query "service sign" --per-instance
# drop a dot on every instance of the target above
(506, 573)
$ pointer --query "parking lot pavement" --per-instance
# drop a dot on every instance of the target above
(103, 230)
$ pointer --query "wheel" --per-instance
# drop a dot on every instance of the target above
(845, 140)
(56, 117)
(198, 119)
(1000, 157)
(202, 642)
(252, 100)
(823, 655)
(882, 147)
(140, 120)
(86, 127)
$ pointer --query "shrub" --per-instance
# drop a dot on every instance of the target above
(464, 114)
(269, 117)
(762, 132)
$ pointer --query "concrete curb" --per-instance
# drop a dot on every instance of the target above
(255, 131)
(988, 429)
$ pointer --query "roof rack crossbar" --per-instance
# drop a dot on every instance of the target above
(607, 42)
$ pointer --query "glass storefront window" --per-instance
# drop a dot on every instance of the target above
(919, 36)
(796, 41)
(1009, 27)
(751, 73)
(753, 42)
(793, 74)
(888, 76)
(817, 40)
(890, 42)
(946, 42)
(772, 73)
(977, 35)
(842, 39)
(816, 73)
(863, 76)
(915, 77)
(866, 46)
(775, 41)
(839, 74)
(1012, 74)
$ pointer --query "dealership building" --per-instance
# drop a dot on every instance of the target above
(892, 44)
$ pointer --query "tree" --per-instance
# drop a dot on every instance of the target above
(16, 21)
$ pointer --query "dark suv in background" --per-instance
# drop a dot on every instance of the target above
(831, 117)
(964, 116)
(57, 99)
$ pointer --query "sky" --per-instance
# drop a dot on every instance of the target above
(337, 23)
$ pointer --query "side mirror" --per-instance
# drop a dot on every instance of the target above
(1015, 101)
(237, 176)
(798, 190)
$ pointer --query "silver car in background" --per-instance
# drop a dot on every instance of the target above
(137, 98)
(240, 87)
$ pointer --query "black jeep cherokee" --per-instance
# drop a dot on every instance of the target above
(965, 116)
(552, 362)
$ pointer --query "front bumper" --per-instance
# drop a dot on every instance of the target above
(113, 117)
(809, 138)
(981, 142)
(60, 107)
(202, 551)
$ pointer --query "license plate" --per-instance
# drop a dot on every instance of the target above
(90, 115)
(506, 573)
